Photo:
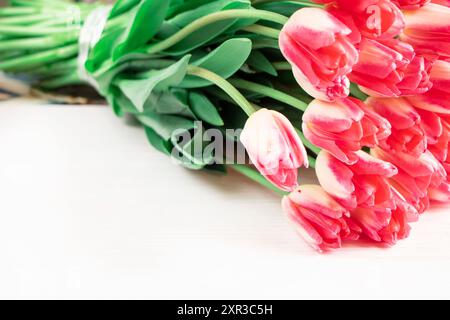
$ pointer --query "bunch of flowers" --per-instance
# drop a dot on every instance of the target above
(357, 90)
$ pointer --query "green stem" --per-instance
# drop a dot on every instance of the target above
(257, 177)
(357, 93)
(224, 85)
(270, 92)
(312, 162)
(262, 30)
(282, 65)
(215, 17)
(37, 59)
(300, 2)
(36, 31)
(40, 43)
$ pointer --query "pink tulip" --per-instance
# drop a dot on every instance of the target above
(362, 184)
(428, 30)
(440, 76)
(415, 176)
(434, 100)
(374, 19)
(390, 68)
(407, 134)
(318, 218)
(343, 127)
(316, 45)
(387, 226)
(440, 148)
(274, 148)
(410, 4)
(398, 227)
(442, 2)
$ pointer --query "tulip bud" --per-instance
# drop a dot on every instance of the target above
(374, 19)
(416, 175)
(318, 218)
(362, 184)
(343, 127)
(316, 45)
(274, 148)
(410, 4)
(428, 30)
(398, 227)
(390, 68)
(407, 135)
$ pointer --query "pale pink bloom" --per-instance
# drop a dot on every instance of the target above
(410, 4)
(375, 19)
(407, 134)
(318, 218)
(316, 45)
(274, 147)
(343, 127)
(390, 68)
(362, 184)
(416, 175)
(428, 29)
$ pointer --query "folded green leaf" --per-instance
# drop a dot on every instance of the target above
(138, 91)
(204, 109)
(259, 62)
(157, 142)
(225, 61)
(148, 18)
(165, 125)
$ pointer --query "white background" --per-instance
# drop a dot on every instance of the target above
(89, 210)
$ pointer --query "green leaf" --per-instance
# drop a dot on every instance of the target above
(158, 142)
(259, 62)
(225, 61)
(204, 35)
(204, 109)
(216, 168)
(174, 102)
(122, 6)
(139, 90)
(191, 149)
(286, 8)
(208, 7)
(145, 24)
(165, 125)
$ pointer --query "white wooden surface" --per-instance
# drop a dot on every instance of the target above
(89, 210)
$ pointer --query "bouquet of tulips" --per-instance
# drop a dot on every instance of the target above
(358, 90)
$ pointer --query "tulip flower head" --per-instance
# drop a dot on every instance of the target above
(428, 30)
(387, 226)
(363, 184)
(390, 68)
(416, 175)
(274, 147)
(343, 127)
(407, 136)
(316, 45)
(318, 218)
(373, 19)
(410, 4)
